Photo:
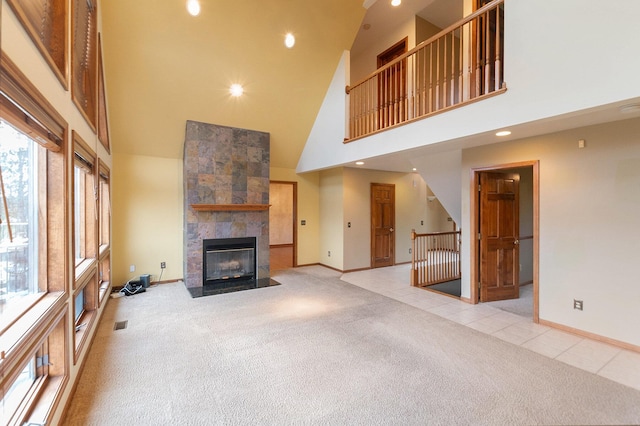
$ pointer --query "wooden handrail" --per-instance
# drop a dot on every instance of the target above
(461, 64)
(435, 257)
(430, 40)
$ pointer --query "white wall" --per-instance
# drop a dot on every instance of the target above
(364, 62)
(331, 218)
(589, 233)
(555, 64)
(440, 171)
(411, 209)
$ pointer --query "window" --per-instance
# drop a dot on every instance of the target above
(84, 206)
(85, 304)
(19, 187)
(33, 274)
(19, 389)
(104, 233)
(42, 375)
(105, 207)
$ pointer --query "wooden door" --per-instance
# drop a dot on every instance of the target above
(383, 207)
(499, 232)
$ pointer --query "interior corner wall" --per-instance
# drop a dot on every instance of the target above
(425, 30)
(147, 217)
(365, 62)
(589, 204)
(331, 218)
(308, 210)
(411, 213)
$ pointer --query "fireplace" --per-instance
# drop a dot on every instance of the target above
(228, 260)
(226, 202)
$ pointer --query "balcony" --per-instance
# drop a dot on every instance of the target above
(461, 64)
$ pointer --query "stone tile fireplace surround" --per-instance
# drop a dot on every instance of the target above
(226, 192)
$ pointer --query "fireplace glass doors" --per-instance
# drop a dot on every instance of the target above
(228, 260)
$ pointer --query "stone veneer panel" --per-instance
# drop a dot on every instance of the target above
(224, 165)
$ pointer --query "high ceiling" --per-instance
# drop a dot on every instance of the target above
(163, 67)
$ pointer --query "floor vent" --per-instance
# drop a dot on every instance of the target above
(120, 325)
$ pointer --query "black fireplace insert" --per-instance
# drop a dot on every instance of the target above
(228, 260)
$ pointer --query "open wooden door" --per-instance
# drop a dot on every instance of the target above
(383, 208)
(499, 236)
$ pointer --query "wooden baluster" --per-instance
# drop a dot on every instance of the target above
(498, 76)
(487, 56)
(461, 66)
(445, 80)
(430, 77)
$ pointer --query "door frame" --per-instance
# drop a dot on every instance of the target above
(294, 218)
(474, 212)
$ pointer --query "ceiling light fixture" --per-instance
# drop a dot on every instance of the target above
(289, 40)
(503, 133)
(395, 3)
(359, 163)
(193, 7)
(236, 90)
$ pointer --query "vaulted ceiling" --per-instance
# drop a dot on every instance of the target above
(163, 67)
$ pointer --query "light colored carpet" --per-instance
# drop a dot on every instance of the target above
(317, 350)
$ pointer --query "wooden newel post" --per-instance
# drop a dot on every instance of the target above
(414, 269)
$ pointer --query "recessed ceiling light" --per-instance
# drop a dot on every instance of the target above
(414, 169)
(236, 90)
(395, 3)
(193, 7)
(359, 163)
(289, 40)
(503, 133)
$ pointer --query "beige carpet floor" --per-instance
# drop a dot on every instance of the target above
(317, 350)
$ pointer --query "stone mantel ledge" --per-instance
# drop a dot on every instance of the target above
(230, 207)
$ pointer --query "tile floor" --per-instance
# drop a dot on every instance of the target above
(605, 360)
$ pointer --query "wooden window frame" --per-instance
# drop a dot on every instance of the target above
(84, 60)
(103, 121)
(88, 284)
(104, 207)
(85, 159)
(104, 276)
(46, 318)
(47, 25)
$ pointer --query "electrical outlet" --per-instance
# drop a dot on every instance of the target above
(163, 265)
(132, 268)
(409, 251)
(577, 304)
(329, 254)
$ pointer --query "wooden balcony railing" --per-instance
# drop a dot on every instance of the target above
(435, 258)
(461, 64)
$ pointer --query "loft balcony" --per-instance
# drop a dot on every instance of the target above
(463, 63)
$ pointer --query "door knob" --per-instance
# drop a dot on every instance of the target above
(390, 229)
(516, 242)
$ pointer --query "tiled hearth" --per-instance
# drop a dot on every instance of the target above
(226, 193)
